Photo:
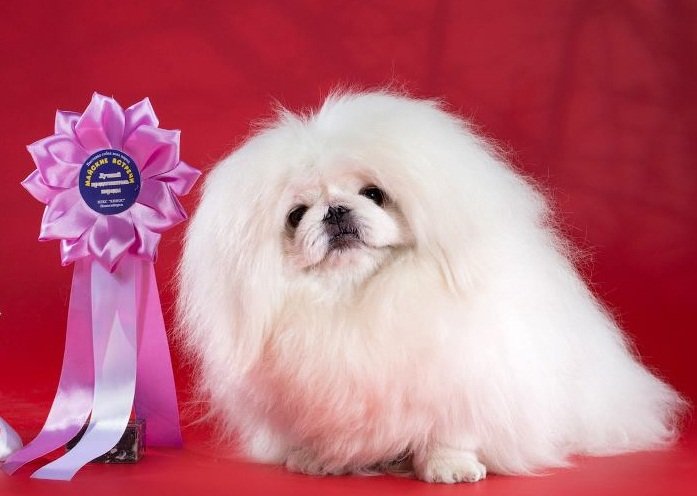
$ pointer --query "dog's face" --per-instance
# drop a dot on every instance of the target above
(326, 201)
(341, 221)
(339, 203)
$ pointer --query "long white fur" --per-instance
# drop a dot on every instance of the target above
(467, 327)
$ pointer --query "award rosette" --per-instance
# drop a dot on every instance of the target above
(110, 179)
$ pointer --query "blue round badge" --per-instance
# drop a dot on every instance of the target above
(109, 182)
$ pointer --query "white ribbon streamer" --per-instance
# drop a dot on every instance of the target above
(114, 315)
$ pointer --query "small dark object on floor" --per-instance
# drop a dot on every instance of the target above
(129, 449)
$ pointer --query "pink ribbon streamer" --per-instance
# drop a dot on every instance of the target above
(116, 345)
(155, 379)
(73, 401)
(114, 338)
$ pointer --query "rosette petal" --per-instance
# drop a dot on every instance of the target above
(58, 159)
(37, 188)
(65, 122)
(101, 125)
(180, 179)
(159, 196)
(155, 151)
(155, 220)
(74, 249)
(66, 217)
(110, 238)
(146, 242)
(139, 114)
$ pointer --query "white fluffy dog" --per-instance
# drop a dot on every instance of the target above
(371, 282)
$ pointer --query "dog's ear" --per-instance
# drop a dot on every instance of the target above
(462, 201)
(228, 276)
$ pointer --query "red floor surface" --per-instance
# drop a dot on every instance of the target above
(199, 470)
(596, 100)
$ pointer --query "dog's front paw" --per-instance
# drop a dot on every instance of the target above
(302, 460)
(449, 466)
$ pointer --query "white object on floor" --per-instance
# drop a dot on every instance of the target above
(9, 440)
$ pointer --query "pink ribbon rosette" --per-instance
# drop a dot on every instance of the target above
(110, 179)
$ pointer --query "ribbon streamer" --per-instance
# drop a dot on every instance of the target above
(114, 340)
(155, 379)
(73, 401)
(116, 353)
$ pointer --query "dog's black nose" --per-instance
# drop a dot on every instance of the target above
(335, 214)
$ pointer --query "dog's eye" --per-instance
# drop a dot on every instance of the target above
(296, 215)
(374, 193)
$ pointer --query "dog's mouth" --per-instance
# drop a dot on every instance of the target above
(344, 240)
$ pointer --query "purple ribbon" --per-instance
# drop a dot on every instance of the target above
(116, 351)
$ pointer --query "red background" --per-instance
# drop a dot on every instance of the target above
(596, 100)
